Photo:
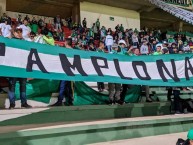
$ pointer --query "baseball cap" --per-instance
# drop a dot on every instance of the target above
(122, 42)
(190, 134)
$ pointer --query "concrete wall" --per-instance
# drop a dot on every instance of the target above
(49, 20)
(2, 7)
(91, 11)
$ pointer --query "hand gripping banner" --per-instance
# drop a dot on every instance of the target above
(32, 60)
(174, 10)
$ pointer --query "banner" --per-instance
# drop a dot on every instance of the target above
(174, 10)
(24, 59)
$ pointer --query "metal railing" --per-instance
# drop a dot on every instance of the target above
(185, 3)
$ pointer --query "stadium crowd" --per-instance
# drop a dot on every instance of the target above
(97, 38)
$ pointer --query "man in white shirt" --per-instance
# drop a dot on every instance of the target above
(144, 49)
(25, 30)
(2, 25)
(6, 30)
(109, 42)
(135, 39)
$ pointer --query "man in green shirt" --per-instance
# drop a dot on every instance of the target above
(98, 24)
(121, 28)
(158, 51)
(49, 39)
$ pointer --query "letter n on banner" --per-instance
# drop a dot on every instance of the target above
(161, 67)
(188, 67)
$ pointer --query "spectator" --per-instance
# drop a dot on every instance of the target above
(22, 81)
(135, 39)
(98, 24)
(186, 47)
(57, 22)
(27, 18)
(101, 85)
(84, 23)
(41, 23)
(158, 51)
(2, 25)
(109, 41)
(122, 28)
(25, 29)
(34, 26)
(6, 30)
(91, 47)
(103, 32)
(19, 20)
(144, 49)
(4, 17)
(114, 88)
(66, 87)
(34, 21)
(48, 38)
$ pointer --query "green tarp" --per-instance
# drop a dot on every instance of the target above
(41, 90)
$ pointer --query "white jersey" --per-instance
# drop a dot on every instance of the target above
(2, 25)
(25, 31)
(6, 31)
(144, 49)
(109, 40)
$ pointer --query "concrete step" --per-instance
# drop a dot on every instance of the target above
(101, 131)
(167, 139)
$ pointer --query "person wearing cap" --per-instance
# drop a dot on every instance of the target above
(109, 41)
(122, 47)
(114, 88)
(17, 34)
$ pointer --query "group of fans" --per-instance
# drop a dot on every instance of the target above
(121, 41)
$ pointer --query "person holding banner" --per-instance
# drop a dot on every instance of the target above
(22, 82)
(114, 88)
(101, 48)
(66, 87)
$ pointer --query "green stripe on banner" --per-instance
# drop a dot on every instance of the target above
(55, 50)
(162, 70)
(18, 72)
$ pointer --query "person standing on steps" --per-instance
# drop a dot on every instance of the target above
(66, 87)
